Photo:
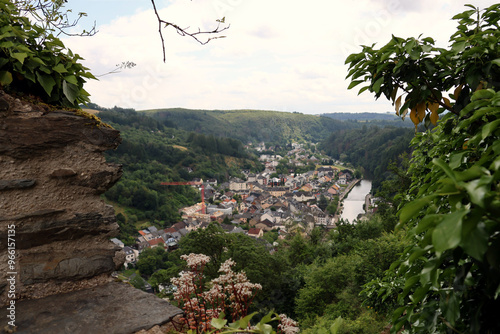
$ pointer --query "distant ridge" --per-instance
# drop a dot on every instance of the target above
(364, 116)
(250, 125)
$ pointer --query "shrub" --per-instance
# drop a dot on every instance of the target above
(35, 62)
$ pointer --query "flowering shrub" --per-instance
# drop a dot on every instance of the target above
(287, 325)
(230, 293)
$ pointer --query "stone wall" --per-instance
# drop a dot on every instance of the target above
(52, 173)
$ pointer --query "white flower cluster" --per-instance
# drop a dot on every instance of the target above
(288, 325)
(194, 260)
(230, 289)
(232, 282)
(236, 287)
(185, 284)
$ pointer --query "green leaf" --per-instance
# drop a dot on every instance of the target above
(497, 292)
(429, 221)
(412, 208)
(23, 48)
(46, 81)
(264, 328)
(474, 238)
(475, 172)
(70, 91)
(483, 94)
(451, 307)
(354, 83)
(448, 233)
(428, 274)
(59, 68)
(410, 282)
(243, 322)
(477, 191)
(459, 47)
(218, 323)
(337, 324)
(363, 89)
(71, 79)
(489, 128)
(268, 317)
(377, 84)
(444, 166)
(416, 253)
(20, 56)
(5, 78)
(38, 60)
(6, 44)
(420, 293)
(496, 61)
(396, 314)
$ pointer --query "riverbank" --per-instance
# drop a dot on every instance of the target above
(340, 206)
(353, 200)
(348, 189)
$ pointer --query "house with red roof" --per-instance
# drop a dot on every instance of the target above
(255, 232)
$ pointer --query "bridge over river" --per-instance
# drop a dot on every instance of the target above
(352, 200)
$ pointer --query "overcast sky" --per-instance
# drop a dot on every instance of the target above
(278, 55)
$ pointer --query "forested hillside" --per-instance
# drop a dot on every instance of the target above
(152, 152)
(371, 148)
(252, 125)
(370, 117)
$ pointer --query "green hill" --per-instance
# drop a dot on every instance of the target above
(151, 153)
(380, 119)
(369, 147)
(252, 125)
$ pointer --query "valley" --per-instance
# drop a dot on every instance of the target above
(274, 204)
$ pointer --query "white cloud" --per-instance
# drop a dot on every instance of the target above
(278, 54)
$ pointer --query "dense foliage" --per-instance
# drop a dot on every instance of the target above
(369, 118)
(423, 73)
(35, 62)
(452, 272)
(253, 125)
(370, 147)
(448, 279)
(314, 278)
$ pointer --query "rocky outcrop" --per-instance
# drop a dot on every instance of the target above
(52, 173)
(111, 308)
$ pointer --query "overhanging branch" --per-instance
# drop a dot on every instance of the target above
(197, 35)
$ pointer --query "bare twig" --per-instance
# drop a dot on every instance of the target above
(183, 31)
(119, 67)
(51, 16)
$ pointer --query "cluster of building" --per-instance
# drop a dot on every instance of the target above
(253, 205)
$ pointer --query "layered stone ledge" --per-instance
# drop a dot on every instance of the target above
(52, 173)
(110, 308)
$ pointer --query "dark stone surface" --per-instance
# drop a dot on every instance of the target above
(41, 232)
(40, 213)
(62, 173)
(76, 264)
(112, 308)
(4, 105)
(101, 181)
(23, 138)
(16, 184)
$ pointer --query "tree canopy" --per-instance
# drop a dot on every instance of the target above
(416, 75)
(448, 279)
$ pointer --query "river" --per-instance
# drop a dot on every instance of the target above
(353, 203)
